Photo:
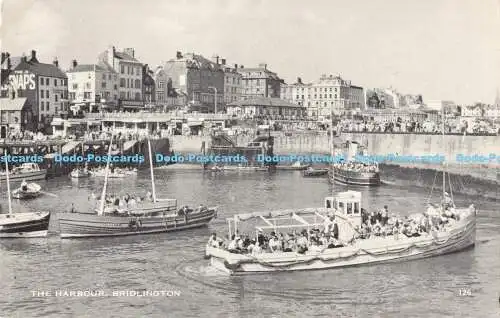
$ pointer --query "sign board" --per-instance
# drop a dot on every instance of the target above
(20, 80)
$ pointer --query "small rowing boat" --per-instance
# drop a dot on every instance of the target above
(312, 172)
(27, 191)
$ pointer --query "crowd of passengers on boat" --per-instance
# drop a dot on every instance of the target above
(375, 224)
(357, 167)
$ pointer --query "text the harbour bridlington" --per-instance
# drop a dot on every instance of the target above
(277, 159)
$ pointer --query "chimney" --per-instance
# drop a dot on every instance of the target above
(129, 51)
(3, 57)
(23, 58)
(223, 61)
(74, 64)
(178, 55)
(263, 65)
(235, 66)
(33, 54)
(56, 62)
(242, 66)
(299, 80)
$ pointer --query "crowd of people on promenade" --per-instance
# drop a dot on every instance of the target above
(17, 135)
(375, 224)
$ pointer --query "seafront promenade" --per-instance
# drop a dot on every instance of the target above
(303, 143)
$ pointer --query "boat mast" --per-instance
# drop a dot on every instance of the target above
(331, 148)
(106, 176)
(444, 163)
(152, 173)
(8, 181)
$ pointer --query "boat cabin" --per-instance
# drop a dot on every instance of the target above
(26, 167)
(348, 204)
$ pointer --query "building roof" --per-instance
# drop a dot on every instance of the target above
(358, 87)
(15, 104)
(265, 101)
(125, 56)
(265, 71)
(91, 68)
(41, 69)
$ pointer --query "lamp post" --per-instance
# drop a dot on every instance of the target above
(215, 98)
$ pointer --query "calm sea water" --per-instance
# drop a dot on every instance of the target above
(173, 262)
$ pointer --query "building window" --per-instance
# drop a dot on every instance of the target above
(122, 82)
(122, 69)
(72, 96)
(103, 85)
(88, 85)
(42, 106)
(160, 84)
(86, 95)
(330, 95)
(335, 96)
(55, 96)
(75, 86)
(41, 94)
(137, 83)
(55, 81)
(41, 80)
(137, 96)
(138, 73)
(335, 89)
(103, 76)
(48, 106)
(47, 94)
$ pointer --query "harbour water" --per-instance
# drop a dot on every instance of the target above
(464, 284)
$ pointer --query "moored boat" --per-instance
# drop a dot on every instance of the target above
(79, 173)
(355, 173)
(27, 191)
(313, 172)
(22, 224)
(332, 237)
(132, 217)
(26, 171)
(295, 166)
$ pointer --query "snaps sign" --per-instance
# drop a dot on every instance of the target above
(22, 80)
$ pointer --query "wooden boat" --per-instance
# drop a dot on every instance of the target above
(368, 175)
(295, 166)
(312, 172)
(79, 173)
(150, 216)
(22, 224)
(26, 171)
(239, 168)
(346, 207)
(27, 191)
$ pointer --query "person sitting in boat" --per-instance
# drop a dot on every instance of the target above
(250, 246)
(377, 229)
(273, 243)
(233, 245)
(447, 202)
(24, 185)
(385, 216)
(202, 208)
(373, 218)
(316, 246)
(149, 196)
(328, 223)
(213, 241)
(302, 243)
(364, 215)
(131, 202)
(257, 249)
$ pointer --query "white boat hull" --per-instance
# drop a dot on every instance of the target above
(21, 225)
(33, 234)
(363, 252)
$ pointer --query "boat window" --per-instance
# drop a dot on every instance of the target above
(356, 208)
(349, 208)
(341, 206)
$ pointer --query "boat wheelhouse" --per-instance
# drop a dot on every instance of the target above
(347, 248)
(27, 171)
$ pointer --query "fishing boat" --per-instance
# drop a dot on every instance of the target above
(117, 173)
(349, 248)
(27, 191)
(313, 172)
(80, 173)
(26, 171)
(354, 172)
(298, 165)
(151, 215)
(22, 224)
(239, 168)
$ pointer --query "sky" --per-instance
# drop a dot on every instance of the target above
(442, 49)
